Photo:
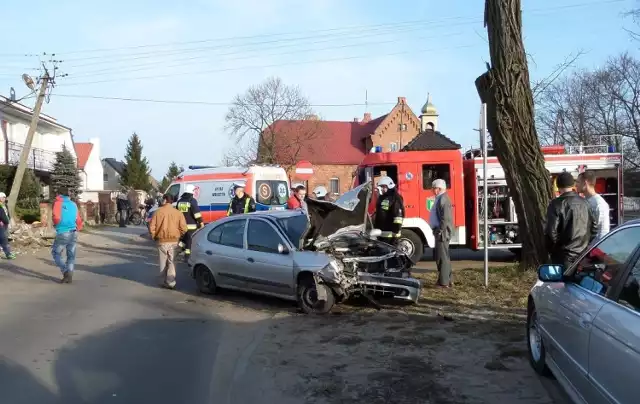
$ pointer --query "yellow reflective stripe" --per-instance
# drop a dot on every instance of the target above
(197, 215)
(229, 210)
(398, 220)
(192, 226)
(246, 205)
(386, 234)
(397, 235)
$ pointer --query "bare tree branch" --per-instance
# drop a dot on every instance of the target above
(543, 84)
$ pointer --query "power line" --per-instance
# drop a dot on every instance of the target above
(264, 66)
(360, 27)
(209, 103)
(154, 65)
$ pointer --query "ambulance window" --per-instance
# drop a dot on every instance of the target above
(174, 190)
(431, 172)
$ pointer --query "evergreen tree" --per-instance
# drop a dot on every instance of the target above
(65, 174)
(172, 173)
(136, 171)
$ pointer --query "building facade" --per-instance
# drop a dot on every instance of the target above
(90, 169)
(337, 147)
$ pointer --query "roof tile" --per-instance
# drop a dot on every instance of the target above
(431, 140)
(83, 151)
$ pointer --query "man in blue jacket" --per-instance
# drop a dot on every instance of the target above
(67, 222)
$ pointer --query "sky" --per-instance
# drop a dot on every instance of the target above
(335, 51)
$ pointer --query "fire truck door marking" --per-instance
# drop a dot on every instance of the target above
(409, 176)
(430, 202)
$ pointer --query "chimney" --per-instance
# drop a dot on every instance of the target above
(402, 100)
(367, 117)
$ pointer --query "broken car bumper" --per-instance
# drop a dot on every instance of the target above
(407, 289)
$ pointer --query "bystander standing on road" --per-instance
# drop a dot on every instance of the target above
(67, 222)
(441, 222)
(5, 219)
(297, 200)
(122, 204)
(599, 207)
(167, 227)
(571, 225)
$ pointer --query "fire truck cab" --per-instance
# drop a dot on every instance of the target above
(414, 171)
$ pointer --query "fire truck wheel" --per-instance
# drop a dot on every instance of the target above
(411, 244)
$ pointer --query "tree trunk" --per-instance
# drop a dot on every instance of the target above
(506, 90)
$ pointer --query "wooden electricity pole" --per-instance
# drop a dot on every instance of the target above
(24, 155)
(506, 90)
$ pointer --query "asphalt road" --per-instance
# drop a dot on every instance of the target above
(113, 337)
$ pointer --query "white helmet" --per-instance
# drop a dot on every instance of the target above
(296, 185)
(387, 182)
(239, 184)
(3, 195)
(189, 189)
(320, 191)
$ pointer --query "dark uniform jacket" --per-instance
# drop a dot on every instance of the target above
(188, 206)
(389, 214)
(237, 206)
(571, 226)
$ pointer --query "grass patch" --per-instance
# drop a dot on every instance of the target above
(506, 294)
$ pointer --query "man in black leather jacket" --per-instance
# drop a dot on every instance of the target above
(571, 225)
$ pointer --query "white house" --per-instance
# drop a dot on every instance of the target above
(50, 137)
(112, 171)
(90, 169)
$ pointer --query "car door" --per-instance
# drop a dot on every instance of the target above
(574, 305)
(614, 346)
(225, 253)
(266, 269)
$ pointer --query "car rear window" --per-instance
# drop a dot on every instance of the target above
(270, 192)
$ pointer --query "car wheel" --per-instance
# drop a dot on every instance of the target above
(411, 244)
(537, 352)
(308, 297)
(204, 280)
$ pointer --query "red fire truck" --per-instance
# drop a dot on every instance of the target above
(414, 171)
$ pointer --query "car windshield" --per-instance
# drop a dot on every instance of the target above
(272, 192)
(294, 227)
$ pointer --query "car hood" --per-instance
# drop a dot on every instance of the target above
(348, 211)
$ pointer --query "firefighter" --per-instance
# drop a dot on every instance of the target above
(389, 211)
(188, 206)
(241, 202)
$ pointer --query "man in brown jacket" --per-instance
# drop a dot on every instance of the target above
(167, 227)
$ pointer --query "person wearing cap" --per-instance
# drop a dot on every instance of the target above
(389, 211)
(571, 224)
(188, 206)
(241, 201)
(441, 222)
(320, 193)
(5, 219)
(297, 199)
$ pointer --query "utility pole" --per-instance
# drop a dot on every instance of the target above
(24, 155)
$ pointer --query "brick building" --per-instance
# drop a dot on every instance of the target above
(337, 147)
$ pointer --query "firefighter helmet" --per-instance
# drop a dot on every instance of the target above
(320, 191)
(189, 189)
(239, 184)
(386, 182)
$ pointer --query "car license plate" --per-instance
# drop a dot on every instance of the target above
(277, 208)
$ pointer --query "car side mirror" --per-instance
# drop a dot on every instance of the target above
(282, 249)
(375, 233)
(551, 273)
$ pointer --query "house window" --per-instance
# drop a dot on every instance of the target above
(431, 172)
(393, 147)
(334, 186)
(402, 127)
(105, 177)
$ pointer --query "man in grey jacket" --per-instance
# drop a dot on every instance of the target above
(441, 222)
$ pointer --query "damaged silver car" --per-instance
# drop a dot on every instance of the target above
(319, 259)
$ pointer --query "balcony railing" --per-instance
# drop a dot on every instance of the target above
(39, 159)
